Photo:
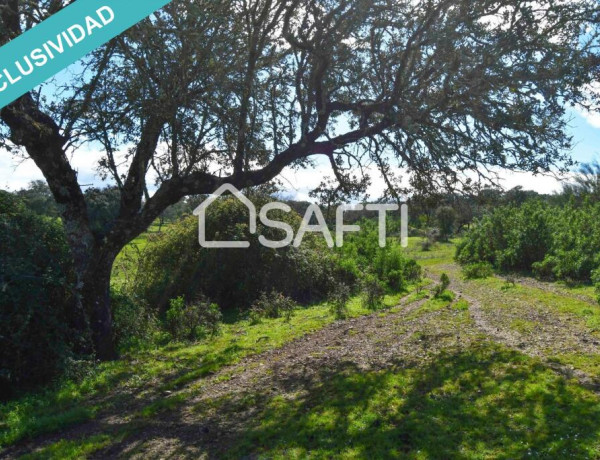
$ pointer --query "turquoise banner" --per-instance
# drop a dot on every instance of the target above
(64, 38)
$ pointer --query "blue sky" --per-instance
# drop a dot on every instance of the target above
(587, 137)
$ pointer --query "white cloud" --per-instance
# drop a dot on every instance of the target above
(298, 184)
(15, 174)
(593, 118)
(540, 183)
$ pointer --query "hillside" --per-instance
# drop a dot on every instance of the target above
(495, 371)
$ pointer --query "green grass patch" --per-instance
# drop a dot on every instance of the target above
(461, 305)
(152, 372)
(67, 450)
(484, 402)
(523, 326)
(561, 303)
(588, 363)
(440, 253)
(432, 305)
(40, 415)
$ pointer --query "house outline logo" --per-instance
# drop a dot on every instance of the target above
(200, 211)
(313, 211)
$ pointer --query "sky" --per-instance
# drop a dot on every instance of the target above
(15, 173)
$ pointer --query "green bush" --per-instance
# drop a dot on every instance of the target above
(190, 321)
(445, 217)
(479, 270)
(426, 245)
(556, 243)
(373, 293)
(361, 254)
(173, 264)
(391, 266)
(596, 281)
(36, 301)
(272, 305)
(510, 238)
(338, 300)
(134, 323)
(395, 280)
(441, 288)
(413, 272)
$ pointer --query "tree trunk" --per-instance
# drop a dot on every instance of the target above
(95, 294)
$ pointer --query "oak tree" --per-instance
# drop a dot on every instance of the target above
(207, 92)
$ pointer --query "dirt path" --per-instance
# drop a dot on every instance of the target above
(403, 338)
(549, 334)
(500, 312)
(362, 341)
(215, 411)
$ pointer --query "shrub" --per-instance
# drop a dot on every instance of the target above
(445, 217)
(361, 254)
(373, 293)
(413, 272)
(76, 369)
(36, 301)
(439, 290)
(509, 281)
(272, 305)
(596, 281)
(347, 270)
(395, 280)
(431, 236)
(191, 321)
(556, 243)
(173, 264)
(510, 238)
(134, 323)
(426, 245)
(545, 269)
(392, 267)
(480, 270)
(338, 300)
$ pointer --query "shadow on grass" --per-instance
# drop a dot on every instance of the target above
(112, 390)
(485, 402)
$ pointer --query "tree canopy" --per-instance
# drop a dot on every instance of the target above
(208, 92)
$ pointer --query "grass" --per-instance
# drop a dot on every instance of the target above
(523, 326)
(156, 371)
(440, 253)
(484, 402)
(130, 254)
(588, 363)
(71, 449)
(432, 305)
(557, 302)
(460, 396)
